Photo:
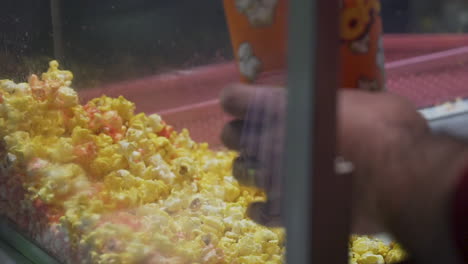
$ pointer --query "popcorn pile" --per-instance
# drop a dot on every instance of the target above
(367, 250)
(97, 183)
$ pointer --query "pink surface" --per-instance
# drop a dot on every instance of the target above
(172, 90)
(399, 47)
(426, 69)
(430, 79)
(185, 99)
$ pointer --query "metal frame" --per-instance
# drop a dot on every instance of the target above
(9, 255)
(317, 200)
(24, 248)
(57, 28)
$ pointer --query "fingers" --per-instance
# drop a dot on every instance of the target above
(363, 224)
(366, 118)
(231, 134)
(262, 108)
(250, 172)
(261, 113)
(235, 99)
(244, 171)
(259, 212)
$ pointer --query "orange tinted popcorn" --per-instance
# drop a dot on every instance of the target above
(100, 184)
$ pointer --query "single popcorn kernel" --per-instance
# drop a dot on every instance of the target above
(53, 74)
(369, 258)
(67, 97)
(363, 245)
(156, 123)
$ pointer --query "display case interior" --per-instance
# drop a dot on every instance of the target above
(110, 121)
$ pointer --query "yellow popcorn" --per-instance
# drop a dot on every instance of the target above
(125, 188)
(247, 246)
(395, 255)
(66, 97)
(57, 182)
(54, 74)
(11, 87)
(155, 122)
(231, 190)
(79, 119)
(161, 170)
(163, 147)
(213, 224)
(368, 250)
(106, 161)
(173, 204)
(369, 258)
(124, 108)
(265, 235)
(363, 245)
(135, 135)
(188, 224)
(251, 260)
(184, 168)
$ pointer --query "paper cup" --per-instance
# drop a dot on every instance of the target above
(258, 30)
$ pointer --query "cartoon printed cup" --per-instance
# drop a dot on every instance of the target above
(362, 54)
(258, 30)
(258, 35)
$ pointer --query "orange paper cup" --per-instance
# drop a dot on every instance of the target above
(258, 35)
(362, 55)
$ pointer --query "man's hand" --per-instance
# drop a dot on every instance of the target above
(370, 127)
(404, 175)
(258, 134)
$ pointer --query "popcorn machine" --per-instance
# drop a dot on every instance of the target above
(110, 121)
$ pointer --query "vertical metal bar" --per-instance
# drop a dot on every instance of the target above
(57, 29)
(316, 203)
(331, 192)
(301, 76)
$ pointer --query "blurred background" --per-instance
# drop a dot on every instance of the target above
(111, 40)
(114, 40)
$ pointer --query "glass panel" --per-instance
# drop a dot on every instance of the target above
(89, 179)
